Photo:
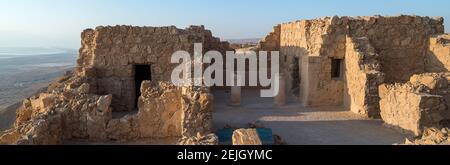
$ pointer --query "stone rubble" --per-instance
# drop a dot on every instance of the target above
(246, 137)
(432, 136)
(210, 139)
(393, 68)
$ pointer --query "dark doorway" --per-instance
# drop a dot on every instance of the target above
(142, 73)
(336, 68)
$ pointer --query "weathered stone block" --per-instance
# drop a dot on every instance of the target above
(246, 137)
(415, 105)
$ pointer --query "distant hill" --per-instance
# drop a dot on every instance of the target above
(252, 41)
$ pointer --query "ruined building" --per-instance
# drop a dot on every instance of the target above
(361, 63)
(121, 69)
(393, 68)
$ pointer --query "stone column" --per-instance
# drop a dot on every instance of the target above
(280, 98)
(236, 92)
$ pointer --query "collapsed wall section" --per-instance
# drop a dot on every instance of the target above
(65, 111)
(69, 114)
(272, 41)
(166, 111)
(362, 77)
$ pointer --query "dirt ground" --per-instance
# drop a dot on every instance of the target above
(299, 125)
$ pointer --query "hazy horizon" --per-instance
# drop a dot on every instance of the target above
(58, 23)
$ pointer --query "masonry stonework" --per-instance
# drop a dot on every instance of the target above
(362, 76)
(114, 52)
(81, 105)
(340, 61)
(420, 103)
(438, 57)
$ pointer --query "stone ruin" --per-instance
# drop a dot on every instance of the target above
(393, 68)
(122, 69)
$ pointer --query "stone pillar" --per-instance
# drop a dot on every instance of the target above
(236, 92)
(280, 98)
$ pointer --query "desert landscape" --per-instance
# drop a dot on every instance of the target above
(26, 71)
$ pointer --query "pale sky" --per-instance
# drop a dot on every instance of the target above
(58, 23)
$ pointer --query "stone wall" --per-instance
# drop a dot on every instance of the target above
(422, 102)
(159, 110)
(438, 57)
(80, 106)
(308, 56)
(68, 113)
(272, 41)
(315, 91)
(362, 77)
(114, 52)
(166, 111)
(197, 107)
(401, 43)
(65, 111)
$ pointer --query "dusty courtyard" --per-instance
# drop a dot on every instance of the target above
(299, 125)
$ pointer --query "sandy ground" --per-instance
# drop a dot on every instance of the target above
(299, 125)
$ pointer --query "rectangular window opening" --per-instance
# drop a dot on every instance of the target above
(336, 67)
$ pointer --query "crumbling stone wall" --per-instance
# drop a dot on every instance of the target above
(401, 42)
(362, 77)
(69, 113)
(65, 111)
(438, 57)
(159, 110)
(422, 102)
(197, 108)
(272, 41)
(80, 106)
(166, 111)
(114, 52)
